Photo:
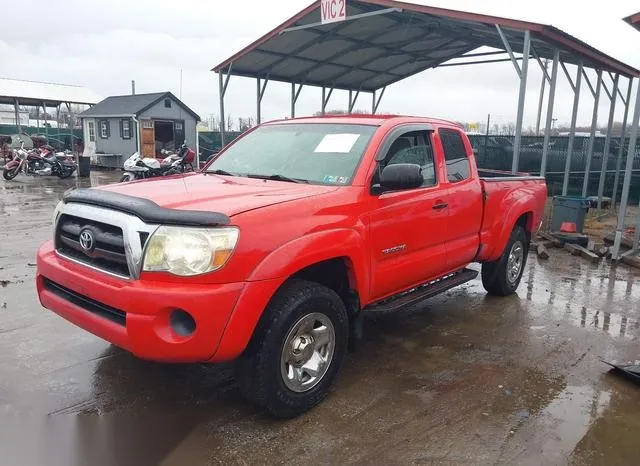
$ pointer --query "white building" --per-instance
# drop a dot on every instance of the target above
(8, 117)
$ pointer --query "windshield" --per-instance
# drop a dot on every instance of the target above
(316, 153)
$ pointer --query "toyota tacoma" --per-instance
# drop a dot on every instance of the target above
(275, 250)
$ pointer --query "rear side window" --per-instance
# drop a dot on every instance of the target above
(455, 155)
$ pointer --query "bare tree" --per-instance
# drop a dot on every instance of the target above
(230, 123)
(245, 123)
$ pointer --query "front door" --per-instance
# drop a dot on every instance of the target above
(89, 127)
(147, 138)
(409, 228)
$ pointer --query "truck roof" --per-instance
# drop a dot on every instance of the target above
(366, 119)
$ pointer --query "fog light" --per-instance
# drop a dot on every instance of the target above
(182, 323)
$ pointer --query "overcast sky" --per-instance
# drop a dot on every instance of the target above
(104, 45)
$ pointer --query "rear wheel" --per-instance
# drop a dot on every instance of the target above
(502, 277)
(65, 172)
(296, 350)
(9, 174)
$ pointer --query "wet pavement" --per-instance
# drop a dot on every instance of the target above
(463, 379)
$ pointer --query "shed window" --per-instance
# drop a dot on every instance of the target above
(104, 129)
(125, 129)
(92, 131)
(167, 103)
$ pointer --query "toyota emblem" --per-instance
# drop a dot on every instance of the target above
(87, 242)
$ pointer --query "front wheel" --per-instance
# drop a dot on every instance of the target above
(127, 177)
(11, 173)
(296, 350)
(502, 277)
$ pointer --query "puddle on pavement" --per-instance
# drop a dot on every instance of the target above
(601, 298)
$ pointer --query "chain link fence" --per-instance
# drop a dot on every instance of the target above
(496, 152)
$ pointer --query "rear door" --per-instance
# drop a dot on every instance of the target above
(465, 198)
(408, 228)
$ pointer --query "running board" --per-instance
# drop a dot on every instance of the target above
(422, 292)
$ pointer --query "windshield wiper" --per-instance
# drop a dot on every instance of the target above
(221, 172)
(278, 177)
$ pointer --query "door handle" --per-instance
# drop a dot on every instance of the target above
(440, 206)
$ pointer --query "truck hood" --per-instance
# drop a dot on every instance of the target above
(212, 193)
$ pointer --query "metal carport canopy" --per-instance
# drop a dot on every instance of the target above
(385, 41)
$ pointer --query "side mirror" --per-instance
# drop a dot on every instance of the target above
(398, 177)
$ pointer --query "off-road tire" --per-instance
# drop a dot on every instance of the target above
(258, 370)
(495, 274)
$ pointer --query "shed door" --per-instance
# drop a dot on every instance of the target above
(178, 133)
(148, 138)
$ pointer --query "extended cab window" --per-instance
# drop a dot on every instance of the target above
(455, 155)
(324, 153)
(413, 147)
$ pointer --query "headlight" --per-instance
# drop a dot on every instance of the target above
(56, 213)
(189, 251)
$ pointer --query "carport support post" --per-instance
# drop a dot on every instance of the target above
(616, 180)
(222, 88)
(521, 99)
(261, 89)
(46, 128)
(16, 109)
(633, 137)
(353, 100)
(552, 95)
(572, 131)
(294, 98)
(607, 141)
(376, 102)
(542, 88)
(592, 138)
(325, 98)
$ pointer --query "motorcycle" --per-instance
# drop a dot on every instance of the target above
(40, 162)
(139, 168)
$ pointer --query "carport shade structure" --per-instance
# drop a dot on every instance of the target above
(382, 42)
(38, 94)
(634, 21)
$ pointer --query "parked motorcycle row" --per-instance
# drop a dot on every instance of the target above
(45, 161)
(39, 162)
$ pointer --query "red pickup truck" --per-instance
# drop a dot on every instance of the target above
(275, 250)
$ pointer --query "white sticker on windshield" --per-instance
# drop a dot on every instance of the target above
(337, 143)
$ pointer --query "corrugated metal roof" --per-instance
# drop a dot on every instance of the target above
(34, 93)
(376, 50)
(132, 104)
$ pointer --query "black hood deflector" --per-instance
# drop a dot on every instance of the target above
(145, 209)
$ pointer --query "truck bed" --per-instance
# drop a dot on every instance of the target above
(506, 196)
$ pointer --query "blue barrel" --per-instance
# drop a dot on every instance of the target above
(569, 209)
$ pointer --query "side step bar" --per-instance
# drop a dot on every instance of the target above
(422, 292)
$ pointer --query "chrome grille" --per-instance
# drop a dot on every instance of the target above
(107, 251)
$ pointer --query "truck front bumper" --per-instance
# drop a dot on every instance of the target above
(153, 320)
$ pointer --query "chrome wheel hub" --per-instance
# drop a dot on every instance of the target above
(307, 352)
(515, 262)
